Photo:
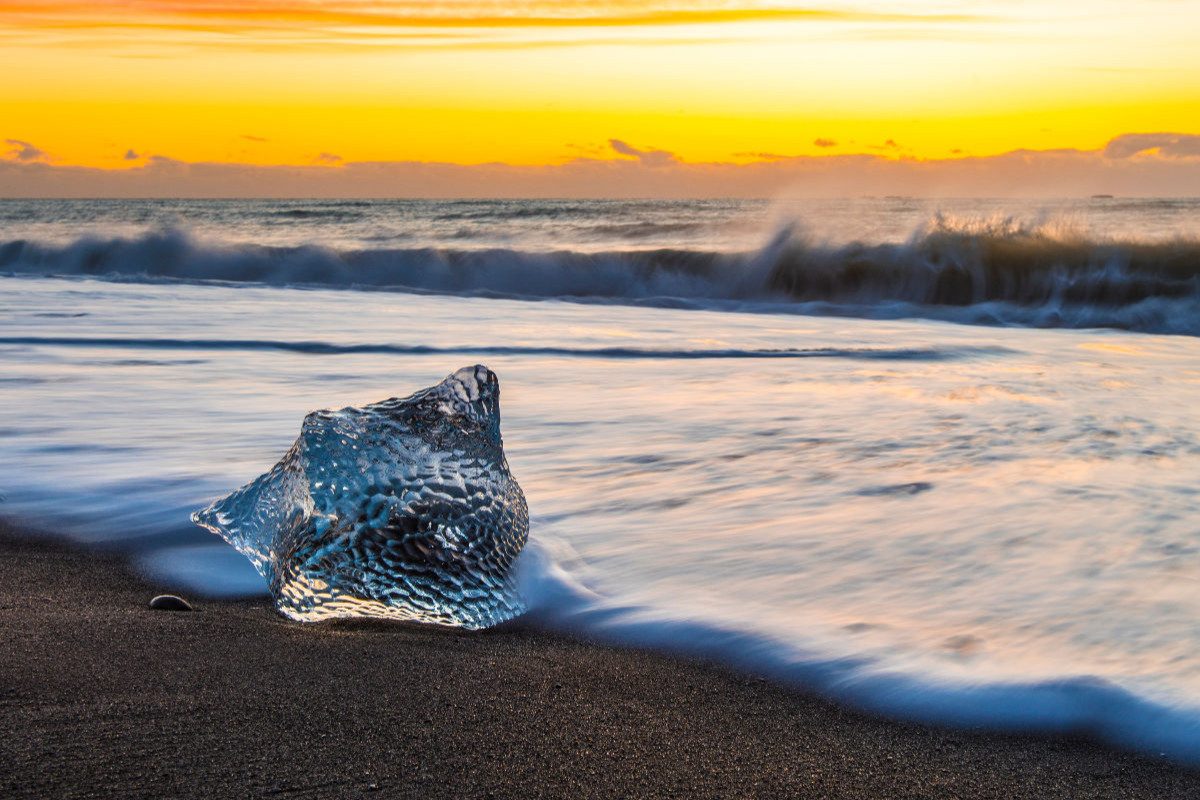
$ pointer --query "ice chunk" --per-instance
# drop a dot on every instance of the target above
(403, 509)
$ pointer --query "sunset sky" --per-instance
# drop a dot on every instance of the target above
(547, 88)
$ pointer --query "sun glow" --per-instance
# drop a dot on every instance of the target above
(108, 84)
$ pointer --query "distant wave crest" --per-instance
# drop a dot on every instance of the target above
(1000, 271)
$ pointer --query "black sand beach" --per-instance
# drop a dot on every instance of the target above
(102, 697)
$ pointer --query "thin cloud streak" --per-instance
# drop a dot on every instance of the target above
(650, 157)
(1171, 145)
(349, 26)
(346, 26)
(24, 151)
(433, 15)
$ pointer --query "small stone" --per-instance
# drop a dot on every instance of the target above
(169, 602)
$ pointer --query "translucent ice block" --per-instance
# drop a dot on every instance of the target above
(403, 509)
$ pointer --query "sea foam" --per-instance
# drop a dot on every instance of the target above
(1067, 705)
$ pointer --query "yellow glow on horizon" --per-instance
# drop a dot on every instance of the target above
(276, 82)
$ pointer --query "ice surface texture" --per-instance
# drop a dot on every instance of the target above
(403, 509)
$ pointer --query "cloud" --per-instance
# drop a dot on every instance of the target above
(587, 149)
(346, 26)
(1171, 145)
(761, 156)
(1018, 174)
(328, 159)
(623, 149)
(130, 155)
(253, 138)
(478, 14)
(824, 142)
(650, 158)
(24, 151)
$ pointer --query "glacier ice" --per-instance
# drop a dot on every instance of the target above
(404, 509)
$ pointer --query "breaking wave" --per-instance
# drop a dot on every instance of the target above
(999, 271)
(1072, 704)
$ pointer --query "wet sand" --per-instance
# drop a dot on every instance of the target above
(102, 697)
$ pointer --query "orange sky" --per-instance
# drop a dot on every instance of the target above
(110, 84)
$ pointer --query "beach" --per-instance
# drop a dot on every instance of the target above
(743, 495)
(104, 697)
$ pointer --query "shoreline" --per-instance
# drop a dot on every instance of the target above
(103, 697)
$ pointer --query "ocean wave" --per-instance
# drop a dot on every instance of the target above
(641, 229)
(486, 210)
(981, 271)
(1074, 705)
(629, 353)
(553, 579)
(499, 210)
(334, 213)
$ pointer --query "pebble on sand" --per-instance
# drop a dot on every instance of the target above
(169, 602)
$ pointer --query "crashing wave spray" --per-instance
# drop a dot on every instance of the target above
(976, 270)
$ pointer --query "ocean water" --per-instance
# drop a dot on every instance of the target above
(934, 459)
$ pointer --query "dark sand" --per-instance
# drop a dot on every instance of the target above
(102, 697)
